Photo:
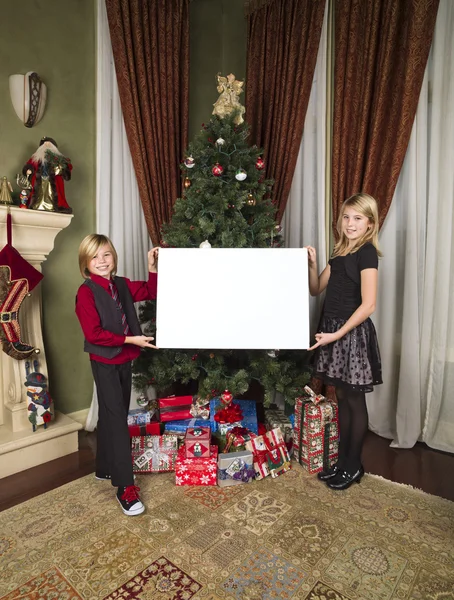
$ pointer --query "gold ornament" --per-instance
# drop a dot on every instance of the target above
(229, 89)
(251, 201)
(187, 183)
(6, 190)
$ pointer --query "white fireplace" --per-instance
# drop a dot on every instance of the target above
(33, 236)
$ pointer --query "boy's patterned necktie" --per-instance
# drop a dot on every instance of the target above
(114, 294)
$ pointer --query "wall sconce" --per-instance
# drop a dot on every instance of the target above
(28, 95)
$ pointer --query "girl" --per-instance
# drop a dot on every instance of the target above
(105, 308)
(347, 354)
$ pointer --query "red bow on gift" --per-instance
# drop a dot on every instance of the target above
(238, 436)
(239, 432)
(231, 414)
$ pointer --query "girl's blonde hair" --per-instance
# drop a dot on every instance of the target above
(89, 247)
(366, 206)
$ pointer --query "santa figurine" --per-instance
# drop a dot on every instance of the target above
(48, 169)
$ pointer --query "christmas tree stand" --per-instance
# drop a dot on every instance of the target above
(34, 233)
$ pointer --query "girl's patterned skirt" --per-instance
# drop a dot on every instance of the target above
(351, 362)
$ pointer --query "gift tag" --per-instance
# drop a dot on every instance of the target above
(236, 466)
(141, 461)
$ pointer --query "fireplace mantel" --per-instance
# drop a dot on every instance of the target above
(33, 236)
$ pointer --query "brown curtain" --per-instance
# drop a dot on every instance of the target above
(381, 51)
(282, 46)
(150, 43)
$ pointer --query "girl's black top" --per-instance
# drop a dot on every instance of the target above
(343, 293)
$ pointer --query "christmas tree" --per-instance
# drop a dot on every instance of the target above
(226, 204)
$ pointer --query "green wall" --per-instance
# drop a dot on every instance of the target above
(56, 38)
(218, 31)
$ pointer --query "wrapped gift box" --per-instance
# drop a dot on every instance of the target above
(236, 439)
(224, 428)
(140, 416)
(271, 456)
(196, 471)
(197, 442)
(153, 428)
(154, 453)
(277, 418)
(234, 469)
(175, 408)
(182, 426)
(249, 419)
(316, 432)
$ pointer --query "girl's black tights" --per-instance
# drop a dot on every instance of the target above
(353, 426)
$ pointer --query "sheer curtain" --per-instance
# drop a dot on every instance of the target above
(119, 213)
(414, 320)
(437, 351)
(304, 217)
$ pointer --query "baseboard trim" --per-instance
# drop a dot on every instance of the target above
(79, 415)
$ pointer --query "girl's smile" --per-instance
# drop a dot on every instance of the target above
(354, 224)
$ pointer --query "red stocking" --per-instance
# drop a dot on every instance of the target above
(17, 278)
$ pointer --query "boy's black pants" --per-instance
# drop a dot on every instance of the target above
(113, 456)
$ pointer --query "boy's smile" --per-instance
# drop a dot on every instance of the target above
(102, 263)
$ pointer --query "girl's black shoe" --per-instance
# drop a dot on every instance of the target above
(344, 480)
(329, 473)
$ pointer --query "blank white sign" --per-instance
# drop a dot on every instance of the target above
(233, 298)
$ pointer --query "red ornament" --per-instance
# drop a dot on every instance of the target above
(217, 170)
(260, 163)
(226, 398)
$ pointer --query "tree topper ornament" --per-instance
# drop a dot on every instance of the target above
(230, 89)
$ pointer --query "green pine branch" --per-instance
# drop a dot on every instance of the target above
(229, 213)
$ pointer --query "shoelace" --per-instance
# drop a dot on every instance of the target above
(131, 493)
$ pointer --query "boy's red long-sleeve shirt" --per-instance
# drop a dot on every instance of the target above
(91, 323)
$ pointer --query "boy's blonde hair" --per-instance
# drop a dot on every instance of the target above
(89, 247)
(366, 205)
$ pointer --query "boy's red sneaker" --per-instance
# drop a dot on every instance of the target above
(129, 500)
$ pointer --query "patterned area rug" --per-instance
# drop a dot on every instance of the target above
(290, 537)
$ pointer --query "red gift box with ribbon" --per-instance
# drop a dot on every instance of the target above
(315, 444)
(197, 442)
(270, 453)
(237, 437)
(152, 428)
(196, 471)
(175, 408)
